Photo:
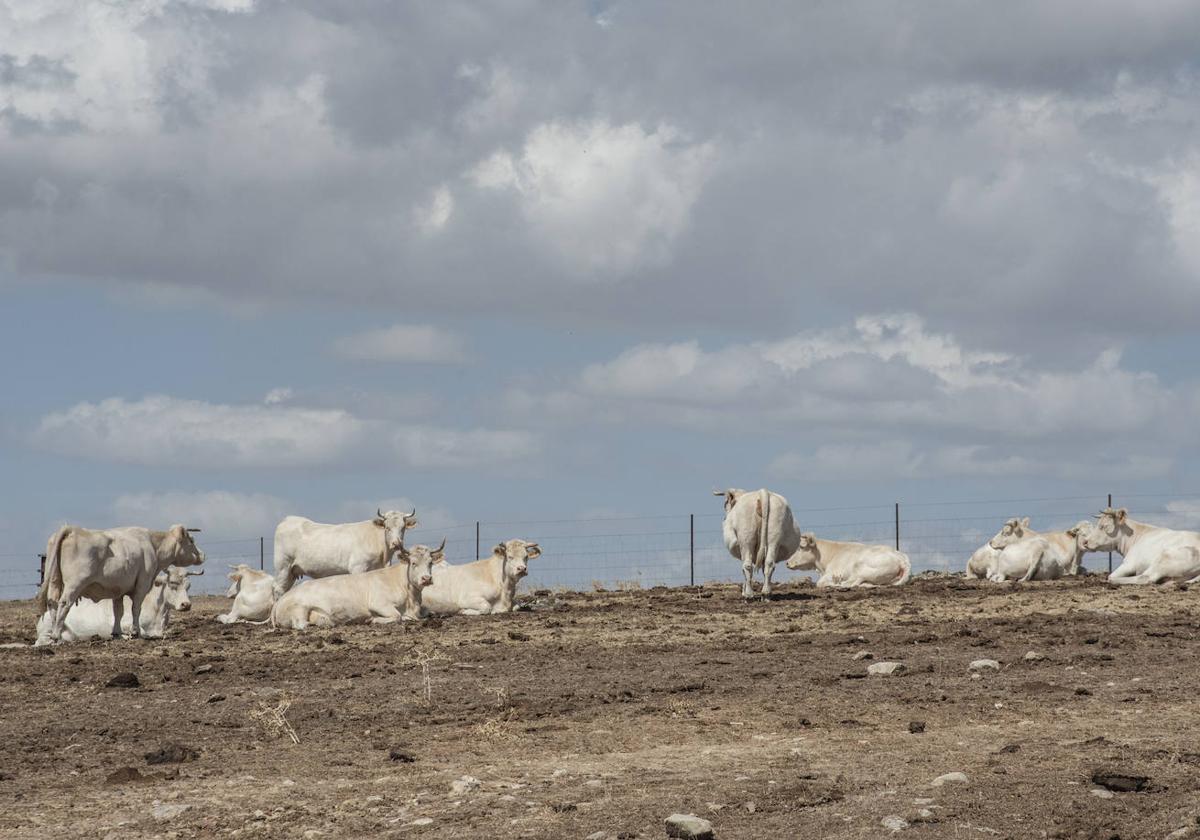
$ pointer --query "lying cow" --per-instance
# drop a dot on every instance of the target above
(380, 596)
(484, 586)
(1150, 554)
(759, 530)
(93, 619)
(849, 564)
(1023, 557)
(317, 550)
(981, 562)
(111, 564)
(253, 594)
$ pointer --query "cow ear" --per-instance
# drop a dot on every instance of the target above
(1121, 512)
(380, 521)
(533, 550)
(500, 550)
(1025, 522)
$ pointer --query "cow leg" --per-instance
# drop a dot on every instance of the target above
(70, 595)
(118, 614)
(748, 573)
(283, 576)
(320, 618)
(769, 569)
(1034, 568)
(387, 618)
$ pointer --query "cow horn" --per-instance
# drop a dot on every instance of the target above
(718, 492)
(440, 547)
(190, 573)
(379, 513)
(411, 515)
(192, 530)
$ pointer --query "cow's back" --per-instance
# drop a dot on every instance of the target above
(456, 586)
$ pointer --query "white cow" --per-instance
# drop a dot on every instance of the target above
(981, 562)
(758, 530)
(92, 619)
(1150, 554)
(380, 596)
(110, 564)
(484, 586)
(253, 594)
(304, 547)
(849, 564)
(1064, 555)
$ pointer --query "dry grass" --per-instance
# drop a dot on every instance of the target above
(273, 719)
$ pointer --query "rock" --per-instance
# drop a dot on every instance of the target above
(916, 726)
(597, 835)
(751, 807)
(1101, 793)
(894, 823)
(422, 821)
(518, 636)
(886, 668)
(1119, 780)
(216, 698)
(985, 665)
(1033, 656)
(863, 654)
(168, 810)
(13, 645)
(125, 679)
(688, 826)
(950, 778)
(1180, 833)
(172, 753)
(397, 754)
(1082, 692)
(125, 774)
(463, 785)
(202, 669)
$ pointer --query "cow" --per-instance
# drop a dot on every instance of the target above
(482, 587)
(980, 564)
(253, 594)
(304, 547)
(92, 619)
(1065, 557)
(758, 530)
(850, 564)
(1150, 554)
(380, 596)
(110, 564)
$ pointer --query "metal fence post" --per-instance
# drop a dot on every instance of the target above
(476, 539)
(261, 556)
(692, 548)
(897, 526)
(41, 569)
(1110, 553)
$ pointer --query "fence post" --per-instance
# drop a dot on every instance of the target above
(41, 569)
(692, 548)
(261, 559)
(897, 526)
(476, 539)
(1110, 553)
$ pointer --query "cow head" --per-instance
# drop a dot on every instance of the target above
(1078, 531)
(394, 523)
(1106, 532)
(178, 548)
(515, 555)
(731, 496)
(1013, 531)
(420, 560)
(178, 582)
(805, 556)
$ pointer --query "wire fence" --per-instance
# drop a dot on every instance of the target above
(681, 549)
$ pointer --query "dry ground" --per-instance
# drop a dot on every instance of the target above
(605, 712)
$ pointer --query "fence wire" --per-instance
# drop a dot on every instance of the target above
(675, 550)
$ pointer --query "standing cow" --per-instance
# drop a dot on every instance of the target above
(851, 564)
(316, 550)
(110, 564)
(1150, 554)
(758, 530)
(92, 619)
(485, 586)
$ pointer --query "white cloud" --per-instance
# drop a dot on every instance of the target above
(166, 431)
(606, 198)
(404, 343)
(278, 395)
(219, 513)
(432, 216)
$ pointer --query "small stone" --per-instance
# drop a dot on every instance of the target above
(925, 814)
(123, 775)
(313, 834)
(863, 654)
(422, 821)
(916, 726)
(1033, 656)
(1101, 793)
(125, 679)
(886, 668)
(688, 827)
(1082, 692)
(894, 823)
(597, 835)
(923, 801)
(950, 778)
(1180, 833)
(1120, 781)
(751, 807)
(397, 754)
(202, 669)
(216, 698)
(168, 811)
(463, 785)
(985, 665)
(172, 753)
(594, 783)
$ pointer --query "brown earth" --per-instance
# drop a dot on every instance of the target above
(605, 712)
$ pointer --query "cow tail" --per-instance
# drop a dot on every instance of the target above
(760, 556)
(271, 619)
(905, 572)
(52, 582)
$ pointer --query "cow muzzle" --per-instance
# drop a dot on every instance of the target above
(426, 580)
(185, 606)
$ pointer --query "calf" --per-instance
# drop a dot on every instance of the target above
(848, 564)
(380, 596)
(1150, 554)
(93, 619)
(484, 586)
(253, 594)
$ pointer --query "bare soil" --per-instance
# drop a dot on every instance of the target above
(608, 711)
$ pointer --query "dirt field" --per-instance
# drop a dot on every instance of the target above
(605, 712)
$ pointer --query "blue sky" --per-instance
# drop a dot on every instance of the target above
(533, 261)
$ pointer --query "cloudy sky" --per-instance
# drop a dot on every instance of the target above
(521, 260)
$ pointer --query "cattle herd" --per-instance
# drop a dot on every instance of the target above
(352, 578)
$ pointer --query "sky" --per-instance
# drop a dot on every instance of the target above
(529, 261)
